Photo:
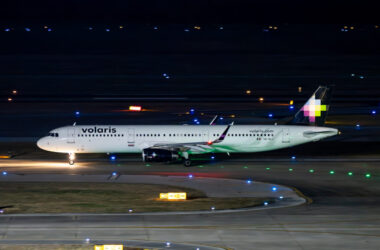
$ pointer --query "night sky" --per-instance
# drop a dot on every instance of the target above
(194, 11)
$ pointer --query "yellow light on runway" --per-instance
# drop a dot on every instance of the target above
(135, 108)
(291, 102)
(173, 196)
(108, 247)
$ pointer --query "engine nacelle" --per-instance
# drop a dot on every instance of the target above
(159, 155)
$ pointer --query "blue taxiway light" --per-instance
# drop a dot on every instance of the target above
(373, 112)
(221, 118)
(27, 29)
(190, 176)
(274, 189)
(164, 74)
(5, 173)
(361, 77)
(248, 181)
(49, 29)
(265, 203)
(221, 27)
(291, 107)
(114, 173)
(77, 113)
(281, 197)
(270, 115)
(7, 29)
(112, 157)
(186, 30)
(293, 157)
(90, 28)
(212, 157)
(198, 123)
(155, 28)
(107, 30)
(357, 126)
(167, 77)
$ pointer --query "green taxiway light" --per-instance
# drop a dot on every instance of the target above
(311, 170)
(332, 172)
(350, 174)
(200, 166)
(148, 165)
(245, 167)
(267, 168)
(368, 175)
(290, 169)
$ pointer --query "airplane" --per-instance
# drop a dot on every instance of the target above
(171, 143)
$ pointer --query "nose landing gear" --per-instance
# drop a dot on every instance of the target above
(71, 158)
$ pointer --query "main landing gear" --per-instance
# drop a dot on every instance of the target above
(186, 159)
(71, 158)
(187, 162)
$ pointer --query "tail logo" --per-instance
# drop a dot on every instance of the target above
(313, 108)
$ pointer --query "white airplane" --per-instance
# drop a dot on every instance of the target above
(169, 143)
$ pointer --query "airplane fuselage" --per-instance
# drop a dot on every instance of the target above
(135, 138)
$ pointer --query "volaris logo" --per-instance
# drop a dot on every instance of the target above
(99, 130)
(313, 108)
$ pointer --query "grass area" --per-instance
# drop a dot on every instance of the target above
(55, 247)
(107, 198)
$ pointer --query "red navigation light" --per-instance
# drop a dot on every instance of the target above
(135, 108)
(209, 142)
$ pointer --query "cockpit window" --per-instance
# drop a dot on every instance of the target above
(53, 134)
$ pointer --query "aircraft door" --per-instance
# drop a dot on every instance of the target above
(71, 135)
(131, 137)
(285, 135)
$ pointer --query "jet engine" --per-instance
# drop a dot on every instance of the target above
(159, 155)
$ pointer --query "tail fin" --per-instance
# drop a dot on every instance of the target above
(314, 111)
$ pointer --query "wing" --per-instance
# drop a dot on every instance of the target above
(194, 147)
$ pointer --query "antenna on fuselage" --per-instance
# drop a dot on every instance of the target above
(75, 123)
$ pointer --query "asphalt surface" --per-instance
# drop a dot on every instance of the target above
(343, 212)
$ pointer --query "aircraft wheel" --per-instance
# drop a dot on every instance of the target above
(187, 163)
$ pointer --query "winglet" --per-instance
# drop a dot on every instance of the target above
(213, 121)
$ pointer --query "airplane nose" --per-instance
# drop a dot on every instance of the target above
(41, 143)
